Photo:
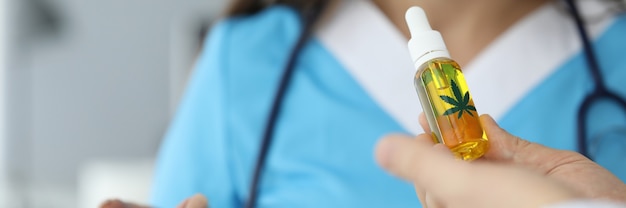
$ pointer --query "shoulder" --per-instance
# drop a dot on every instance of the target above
(244, 51)
(273, 19)
(274, 27)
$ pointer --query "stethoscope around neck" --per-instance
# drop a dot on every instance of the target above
(600, 91)
(310, 17)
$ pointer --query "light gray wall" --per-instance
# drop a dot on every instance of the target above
(3, 40)
(101, 87)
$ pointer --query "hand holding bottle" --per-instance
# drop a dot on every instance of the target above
(513, 173)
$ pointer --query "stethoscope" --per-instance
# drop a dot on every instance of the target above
(311, 16)
(600, 91)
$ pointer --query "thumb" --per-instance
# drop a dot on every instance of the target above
(196, 201)
(503, 145)
(512, 149)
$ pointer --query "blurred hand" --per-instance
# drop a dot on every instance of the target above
(196, 201)
(513, 173)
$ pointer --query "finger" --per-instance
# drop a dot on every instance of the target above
(426, 199)
(383, 150)
(421, 194)
(424, 123)
(430, 167)
(502, 144)
(417, 160)
(196, 201)
(433, 169)
(512, 149)
(116, 203)
(183, 204)
(505, 146)
(432, 202)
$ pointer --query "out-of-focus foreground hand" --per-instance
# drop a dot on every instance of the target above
(513, 173)
(196, 201)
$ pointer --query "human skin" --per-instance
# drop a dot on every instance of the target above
(513, 173)
(467, 26)
(195, 201)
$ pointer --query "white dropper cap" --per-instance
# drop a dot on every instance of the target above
(425, 43)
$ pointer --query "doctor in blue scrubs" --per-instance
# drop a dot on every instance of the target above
(352, 84)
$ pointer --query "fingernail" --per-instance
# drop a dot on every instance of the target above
(488, 120)
(384, 151)
(487, 116)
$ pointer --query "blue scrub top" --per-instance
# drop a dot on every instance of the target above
(322, 153)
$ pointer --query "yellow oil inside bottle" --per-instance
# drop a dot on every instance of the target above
(449, 108)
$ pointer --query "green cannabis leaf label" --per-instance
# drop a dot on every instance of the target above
(460, 102)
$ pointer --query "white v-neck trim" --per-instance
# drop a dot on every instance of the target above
(375, 53)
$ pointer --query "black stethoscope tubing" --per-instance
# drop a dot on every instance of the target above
(600, 91)
(309, 18)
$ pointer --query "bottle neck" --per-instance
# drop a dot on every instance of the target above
(429, 56)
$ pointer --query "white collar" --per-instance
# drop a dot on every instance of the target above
(375, 54)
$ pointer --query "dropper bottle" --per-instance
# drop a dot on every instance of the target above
(443, 93)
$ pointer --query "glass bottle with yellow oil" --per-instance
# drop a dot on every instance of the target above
(443, 93)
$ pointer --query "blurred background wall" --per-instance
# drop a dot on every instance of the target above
(89, 88)
(3, 165)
